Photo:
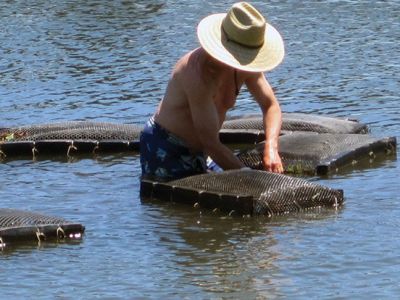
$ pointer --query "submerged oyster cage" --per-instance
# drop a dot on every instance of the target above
(68, 138)
(245, 192)
(250, 128)
(321, 154)
(18, 226)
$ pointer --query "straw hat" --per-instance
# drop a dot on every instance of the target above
(242, 39)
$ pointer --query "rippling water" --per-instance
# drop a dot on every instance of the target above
(110, 61)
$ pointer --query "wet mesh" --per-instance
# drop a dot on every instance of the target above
(272, 193)
(75, 130)
(310, 152)
(300, 122)
(15, 218)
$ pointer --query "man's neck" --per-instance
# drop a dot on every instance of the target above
(212, 65)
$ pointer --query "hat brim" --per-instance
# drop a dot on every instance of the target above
(214, 41)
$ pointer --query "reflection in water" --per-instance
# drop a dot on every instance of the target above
(214, 255)
(213, 251)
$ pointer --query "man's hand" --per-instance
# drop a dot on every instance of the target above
(271, 160)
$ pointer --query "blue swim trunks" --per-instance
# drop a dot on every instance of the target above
(164, 156)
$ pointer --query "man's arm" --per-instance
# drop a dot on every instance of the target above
(259, 87)
(206, 123)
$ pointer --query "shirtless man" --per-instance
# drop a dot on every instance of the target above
(204, 85)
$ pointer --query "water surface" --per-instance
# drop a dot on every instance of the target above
(110, 61)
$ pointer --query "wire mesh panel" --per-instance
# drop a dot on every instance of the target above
(246, 192)
(74, 130)
(23, 226)
(68, 138)
(313, 153)
(250, 129)
(300, 122)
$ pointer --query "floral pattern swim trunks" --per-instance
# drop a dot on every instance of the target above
(164, 156)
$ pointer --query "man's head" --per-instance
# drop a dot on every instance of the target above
(241, 39)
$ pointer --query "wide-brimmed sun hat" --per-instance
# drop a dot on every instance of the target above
(242, 39)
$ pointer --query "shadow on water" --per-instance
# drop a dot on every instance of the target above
(105, 156)
(21, 248)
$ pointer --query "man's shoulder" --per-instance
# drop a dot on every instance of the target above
(188, 62)
(187, 69)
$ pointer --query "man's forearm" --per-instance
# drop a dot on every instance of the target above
(224, 157)
(272, 125)
(272, 122)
